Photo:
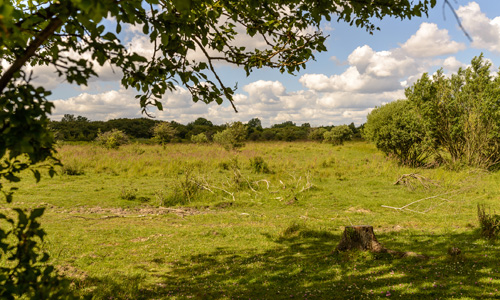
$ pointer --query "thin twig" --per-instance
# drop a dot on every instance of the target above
(446, 2)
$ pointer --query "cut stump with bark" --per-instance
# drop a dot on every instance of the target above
(360, 237)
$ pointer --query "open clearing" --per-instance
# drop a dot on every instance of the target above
(185, 221)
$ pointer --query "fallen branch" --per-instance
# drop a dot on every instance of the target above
(405, 207)
(405, 179)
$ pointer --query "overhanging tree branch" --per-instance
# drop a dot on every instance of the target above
(20, 61)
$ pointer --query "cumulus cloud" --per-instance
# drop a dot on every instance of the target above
(452, 64)
(177, 105)
(369, 72)
(430, 41)
(485, 32)
(108, 105)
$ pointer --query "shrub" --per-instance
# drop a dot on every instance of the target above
(112, 139)
(317, 134)
(163, 132)
(259, 165)
(199, 138)
(184, 190)
(72, 169)
(338, 135)
(232, 137)
(397, 131)
(461, 114)
(489, 224)
(128, 194)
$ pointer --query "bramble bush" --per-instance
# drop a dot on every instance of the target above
(112, 139)
(259, 165)
(489, 224)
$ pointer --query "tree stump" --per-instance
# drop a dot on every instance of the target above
(360, 237)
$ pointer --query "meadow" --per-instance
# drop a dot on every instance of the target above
(185, 221)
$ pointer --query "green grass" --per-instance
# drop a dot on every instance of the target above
(194, 221)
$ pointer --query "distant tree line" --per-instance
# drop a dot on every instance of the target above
(79, 128)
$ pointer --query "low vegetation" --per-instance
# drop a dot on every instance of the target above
(185, 221)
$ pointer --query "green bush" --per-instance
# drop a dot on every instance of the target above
(199, 138)
(460, 114)
(259, 165)
(397, 131)
(488, 223)
(128, 194)
(338, 135)
(317, 134)
(163, 132)
(112, 139)
(233, 137)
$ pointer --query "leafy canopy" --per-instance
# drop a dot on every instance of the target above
(60, 33)
(454, 119)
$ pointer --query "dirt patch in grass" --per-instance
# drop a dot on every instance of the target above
(359, 210)
(71, 271)
(125, 212)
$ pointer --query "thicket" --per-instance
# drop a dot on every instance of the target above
(453, 119)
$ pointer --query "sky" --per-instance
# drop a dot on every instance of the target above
(358, 73)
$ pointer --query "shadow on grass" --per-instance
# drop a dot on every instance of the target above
(301, 265)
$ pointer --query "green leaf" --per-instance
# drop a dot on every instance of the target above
(182, 5)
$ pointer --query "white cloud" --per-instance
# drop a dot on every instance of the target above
(104, 106)
(485, 33)
(452, 64)
(369, 72)
(430, 41)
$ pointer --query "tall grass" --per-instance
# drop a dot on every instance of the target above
(196, 221)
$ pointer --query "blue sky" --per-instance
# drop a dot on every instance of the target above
(359, 71)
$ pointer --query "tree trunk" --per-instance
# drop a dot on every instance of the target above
(360, 237)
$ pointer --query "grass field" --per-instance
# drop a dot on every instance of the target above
(186, 221)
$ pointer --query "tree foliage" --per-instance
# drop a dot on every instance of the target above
(455, 119)
(317, 134)
(24, 272)
(199, 138)
(397, 131)
(461, 114)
